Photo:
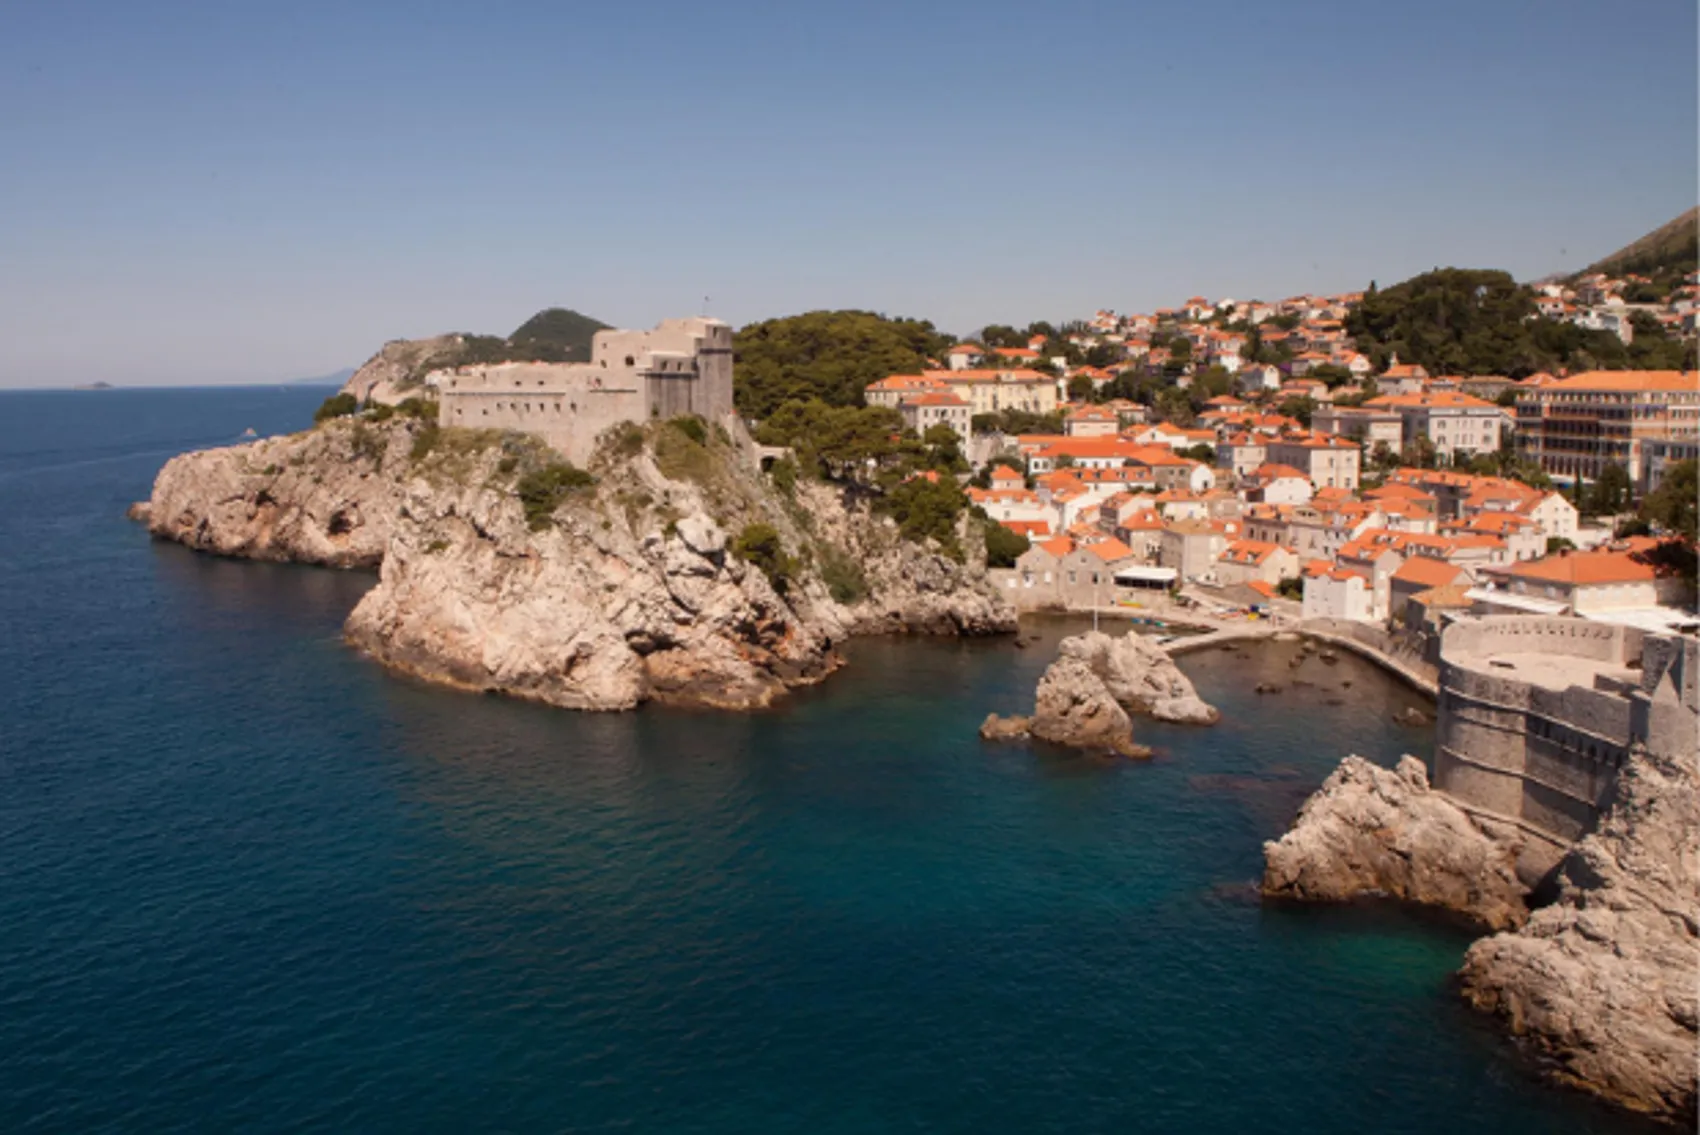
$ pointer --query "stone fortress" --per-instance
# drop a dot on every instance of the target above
(682, 367)
(1537, 715)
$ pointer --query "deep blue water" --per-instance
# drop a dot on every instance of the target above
(250, 881)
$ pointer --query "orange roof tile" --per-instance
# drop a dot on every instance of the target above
(1427, 572)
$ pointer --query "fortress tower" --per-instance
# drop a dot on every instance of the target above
(682, 367)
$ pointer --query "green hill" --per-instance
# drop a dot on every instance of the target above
(1671, 249)
(827, 355)
(1474, 321)
(556, 334)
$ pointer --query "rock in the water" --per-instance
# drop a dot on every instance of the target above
(1601, 984)
(1012, 728)
(1266, 688)
(1375, 831)
(1140, 675)
(1073, 707)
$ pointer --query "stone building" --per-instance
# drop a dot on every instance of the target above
(682, 367)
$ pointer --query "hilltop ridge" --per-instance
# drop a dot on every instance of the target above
(1673, 247)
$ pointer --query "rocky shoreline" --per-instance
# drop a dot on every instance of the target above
(1599, 985)
(595, 597)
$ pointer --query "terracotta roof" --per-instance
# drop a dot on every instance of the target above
(1262, 587)
(1249, 551)
(1058, 546)
(1427, 572)
(1620, 381)
(934, 398)
(1032, 529)
(1582, 568)
(1270, 470)
(1111, 550)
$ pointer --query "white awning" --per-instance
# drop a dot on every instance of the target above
(1136, 575)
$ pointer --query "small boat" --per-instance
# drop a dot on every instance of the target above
(249, 432)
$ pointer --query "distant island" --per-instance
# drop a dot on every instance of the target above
(93, 386)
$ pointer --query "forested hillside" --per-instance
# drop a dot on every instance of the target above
(1479, 321)
(827, 355)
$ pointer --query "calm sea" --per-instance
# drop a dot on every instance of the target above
(249, 881)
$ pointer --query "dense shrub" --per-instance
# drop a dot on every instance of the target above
(692, 427)
(336, 406)
(784, 474)
(425, 441)
(927, 509)
(759, 545)
(843, 576)
(542, 490)
(1004, 546)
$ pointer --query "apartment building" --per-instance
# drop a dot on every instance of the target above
(1575, 427)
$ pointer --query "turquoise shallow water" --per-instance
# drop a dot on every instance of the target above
(249, 881)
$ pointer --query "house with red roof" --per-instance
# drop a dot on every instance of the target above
(1271, 483)
(1419, 574)
(1619, 582)
(1332, 592)
(1243, 561)
(965, 356)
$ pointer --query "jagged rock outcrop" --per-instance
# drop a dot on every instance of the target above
(1375, 831)
(1142, 676)
(1084, 696)
(609, 597)
(1074, 707)
(1601, 984)
(591, 612)
(912, 589)
(327, 496)
(393, 374)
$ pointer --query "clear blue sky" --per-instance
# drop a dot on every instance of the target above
(224, 191)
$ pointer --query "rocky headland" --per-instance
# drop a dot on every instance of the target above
(1084, 698)
(672, 570)
(1600, 986)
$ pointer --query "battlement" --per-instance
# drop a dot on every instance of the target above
(681, 367)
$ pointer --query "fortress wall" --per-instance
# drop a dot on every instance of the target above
(1544, 757)
(567, 404)
(1521, 634)
(682, 367)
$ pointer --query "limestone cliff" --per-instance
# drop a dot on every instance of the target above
(327, 496)
(590, 596)
(1601, 984)
(1375, 831)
